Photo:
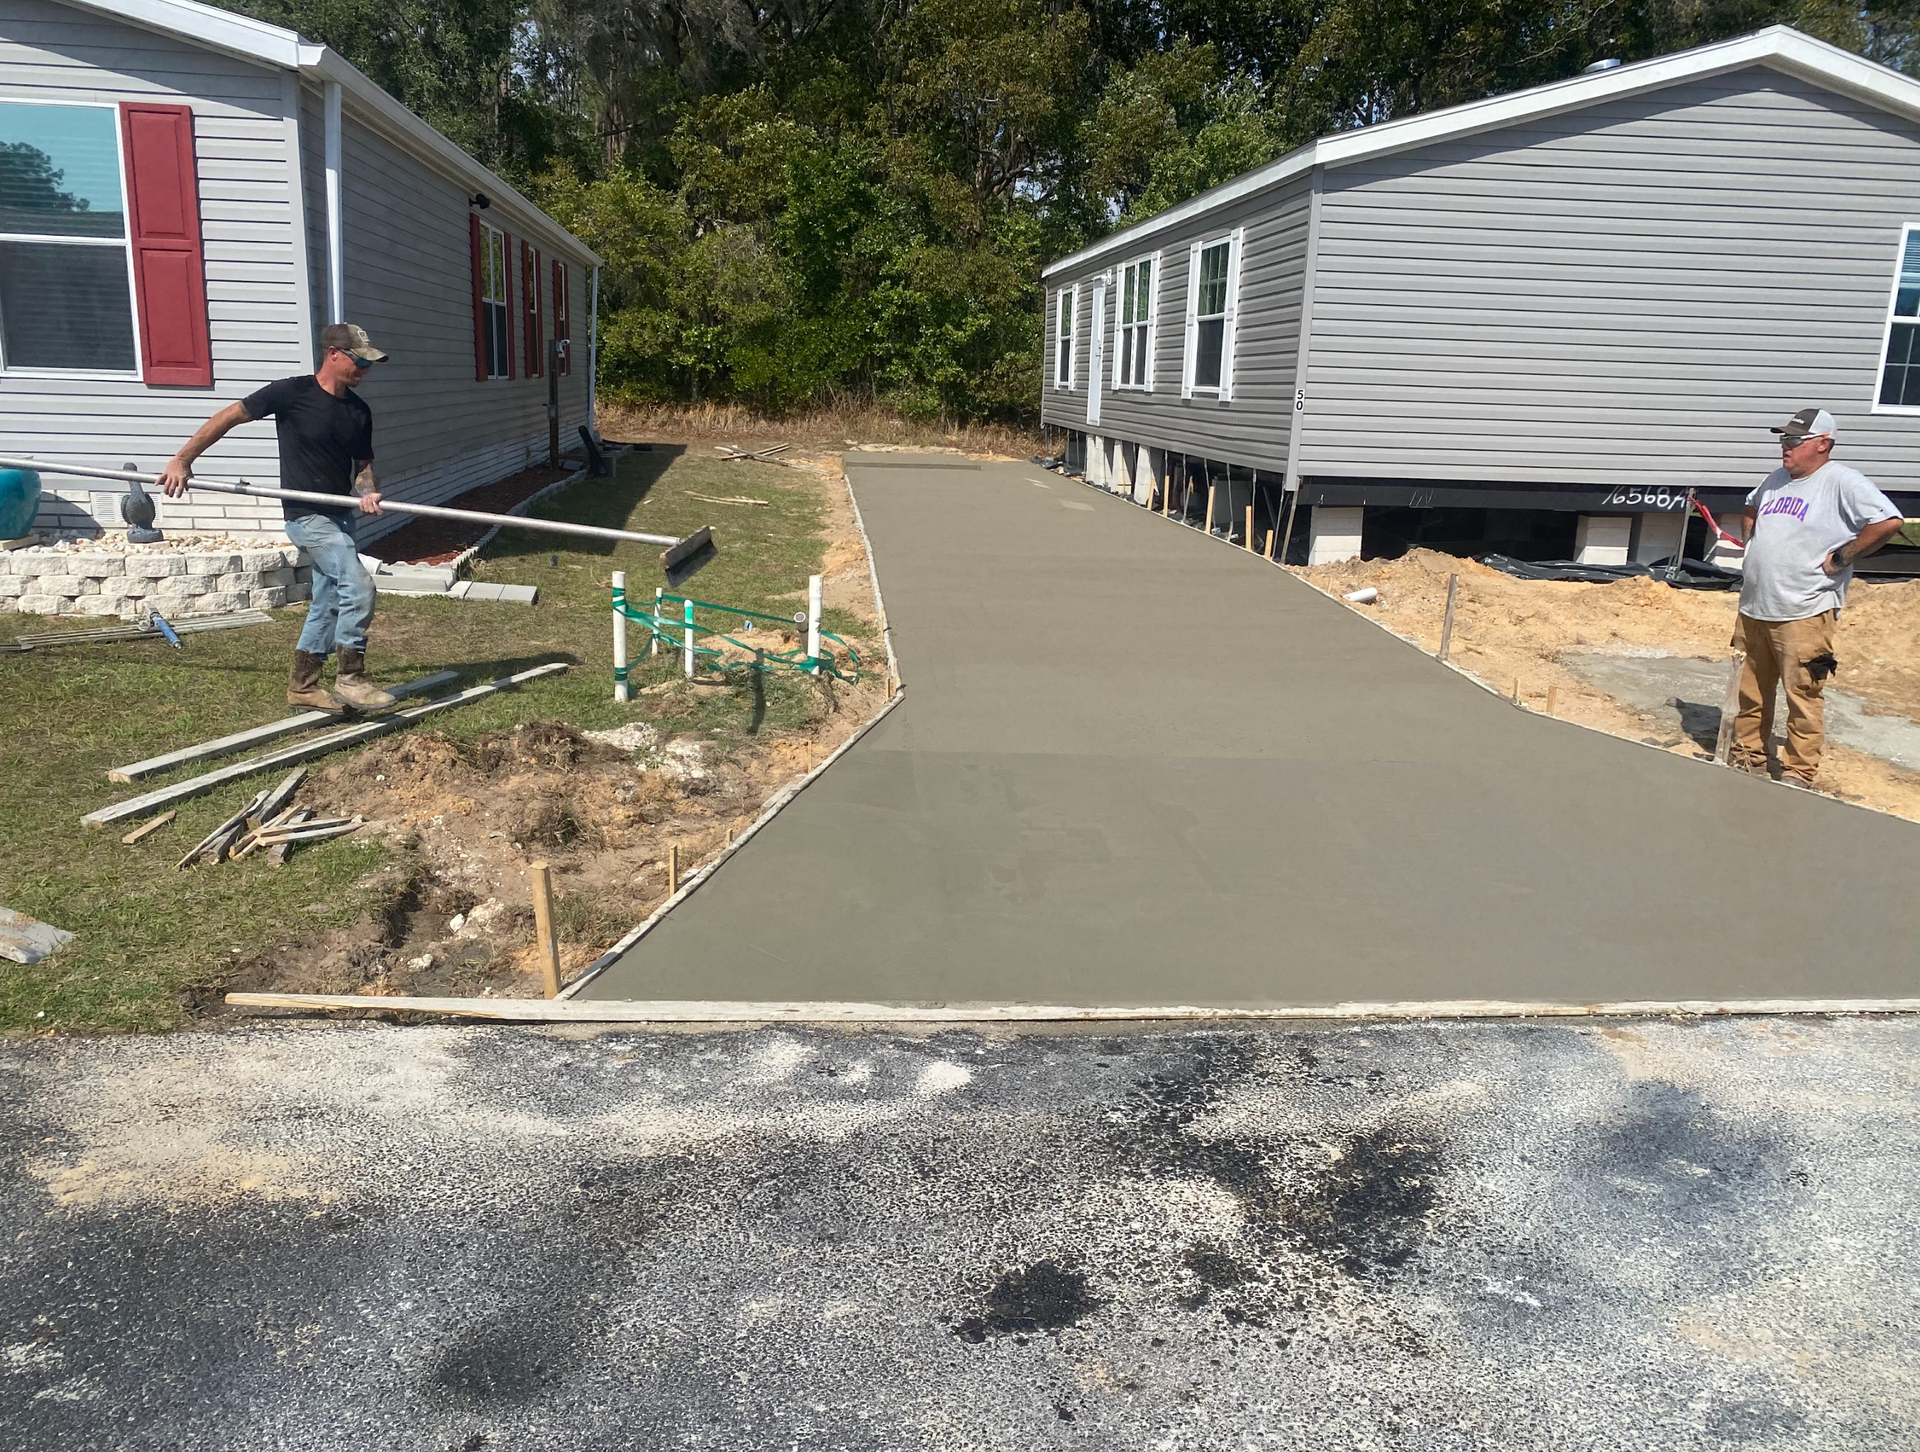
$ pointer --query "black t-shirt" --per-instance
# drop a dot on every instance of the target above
(322, 437)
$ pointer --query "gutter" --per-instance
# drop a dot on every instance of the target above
(336, 225)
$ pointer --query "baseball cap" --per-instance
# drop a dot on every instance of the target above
(1808, 423)
(352, 338)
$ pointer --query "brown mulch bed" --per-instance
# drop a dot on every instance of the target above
(441, 541)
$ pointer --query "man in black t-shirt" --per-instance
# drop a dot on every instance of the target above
(326, 447)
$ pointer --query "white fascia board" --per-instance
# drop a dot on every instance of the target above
(1779, 47)
(237, 35)
(403, 126)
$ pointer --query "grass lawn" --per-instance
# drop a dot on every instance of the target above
(147, 932)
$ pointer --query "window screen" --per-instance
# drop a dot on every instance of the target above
(1900, 368)
(66, 299)
(1136, 323)
(1210, 315)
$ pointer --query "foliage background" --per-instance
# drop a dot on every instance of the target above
(824, 202)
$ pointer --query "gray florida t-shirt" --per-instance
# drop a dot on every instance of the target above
(1798, 523)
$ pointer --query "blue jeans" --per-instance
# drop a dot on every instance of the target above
(343, 593)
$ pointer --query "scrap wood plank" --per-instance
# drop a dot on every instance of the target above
(147, 829)
(307, 750)
(280, 850)
(206, 843)
(28, 940)
(259, 735)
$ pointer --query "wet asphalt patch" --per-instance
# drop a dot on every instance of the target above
(1452, 1236)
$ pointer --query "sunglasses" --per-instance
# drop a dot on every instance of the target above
(1788, 444)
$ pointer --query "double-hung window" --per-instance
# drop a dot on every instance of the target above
(66, 276)
(1900, 358)
(1210, 289)
(496, 330)
(1065, 305)
(1133, 367)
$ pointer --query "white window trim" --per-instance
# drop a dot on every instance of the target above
(489, 234)
(1151, 326)
(1072, 296)
(1886, 330)
(124, 242)
(1230, 315)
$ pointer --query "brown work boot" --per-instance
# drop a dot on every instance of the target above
(355, 689)
(304, 688)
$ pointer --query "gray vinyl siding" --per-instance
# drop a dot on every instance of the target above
(249, 228)
(409, 283)
(1632, 292)
(1252, 427)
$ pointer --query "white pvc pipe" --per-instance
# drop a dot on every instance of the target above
(347, 501)
(336, 225)
(814, 591)
(687, 615)
(620, 691)
(1366, 595)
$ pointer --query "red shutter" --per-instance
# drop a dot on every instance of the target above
(562, 316)
(479, 312)
(169, 267)
(506, 288)
(530, 308)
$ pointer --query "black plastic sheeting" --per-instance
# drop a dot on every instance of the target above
(1686, 575)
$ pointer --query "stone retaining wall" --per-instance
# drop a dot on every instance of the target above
(56, 582)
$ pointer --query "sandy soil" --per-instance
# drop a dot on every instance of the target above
(1510, 632)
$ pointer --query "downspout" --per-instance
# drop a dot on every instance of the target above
(593, 352)
(336, 268)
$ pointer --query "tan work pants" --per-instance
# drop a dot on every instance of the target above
(1778, 652)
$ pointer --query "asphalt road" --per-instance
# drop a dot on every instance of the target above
(1136, 767)
(1435, 1237)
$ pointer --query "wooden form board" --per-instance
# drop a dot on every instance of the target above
(260, 735)
(580, 1010)
(307, 750)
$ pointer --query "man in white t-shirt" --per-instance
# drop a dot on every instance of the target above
(1807, 522)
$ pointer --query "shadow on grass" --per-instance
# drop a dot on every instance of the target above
(606, 503)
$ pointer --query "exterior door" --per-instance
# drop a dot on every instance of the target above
(1096, 351)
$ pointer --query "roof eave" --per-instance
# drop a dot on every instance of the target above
(328, 65)
(1779, 47)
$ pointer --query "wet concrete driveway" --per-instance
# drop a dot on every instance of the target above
(1135, 767)
(1455, 1236)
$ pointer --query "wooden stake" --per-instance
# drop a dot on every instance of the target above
(673, 868)
(1516, 690)
(1249, 536)
(147, 829)
(1553, 693)
(1446, 626)
(540, 879)
(1207, 525)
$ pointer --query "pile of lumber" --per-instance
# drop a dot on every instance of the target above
(270, 823)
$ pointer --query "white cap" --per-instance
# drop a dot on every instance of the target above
(1810, 423)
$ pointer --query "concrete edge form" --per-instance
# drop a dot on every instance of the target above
(576, 1010)
(780, 798)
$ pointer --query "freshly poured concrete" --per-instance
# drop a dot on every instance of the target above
(1135, 766)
